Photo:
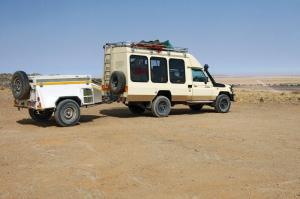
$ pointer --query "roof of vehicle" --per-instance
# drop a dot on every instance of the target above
(153, 49)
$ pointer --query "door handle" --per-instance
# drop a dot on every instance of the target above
(195, 85)
(190, 86)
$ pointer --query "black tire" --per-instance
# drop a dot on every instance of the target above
(161, 106)
(67, 113)
(20, 85)
(222, 104)
(117, 82)
(196, 107)
(40, 116)
(136, 109)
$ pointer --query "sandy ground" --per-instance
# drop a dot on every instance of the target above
(251, 152)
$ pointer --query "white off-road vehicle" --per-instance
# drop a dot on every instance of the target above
(156, 76)
(144, 76)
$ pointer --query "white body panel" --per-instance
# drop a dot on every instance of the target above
(47, 90)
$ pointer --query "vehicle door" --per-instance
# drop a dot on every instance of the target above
(202, 88)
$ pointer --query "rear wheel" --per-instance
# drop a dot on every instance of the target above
(161, 106)
(136, 109)
(196, 107)
(67, 113)
(222, 104)
(40, 116)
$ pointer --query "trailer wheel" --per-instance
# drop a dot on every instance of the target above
(40, 116)
(67, 113)
(222, 104)
(161, 106)
(20, 85)
(117, 82)
(196, 107)
(136, 109)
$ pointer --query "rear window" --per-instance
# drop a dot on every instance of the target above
(139, 71)
(159, 69)
(177, 71)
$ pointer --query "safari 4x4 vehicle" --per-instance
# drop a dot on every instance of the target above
(144, 75)
(156, 76)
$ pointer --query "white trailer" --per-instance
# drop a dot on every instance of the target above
(62, 95)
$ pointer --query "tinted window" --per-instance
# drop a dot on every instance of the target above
(199, 76)
(159, 69)
(139, 68)
(177, 71)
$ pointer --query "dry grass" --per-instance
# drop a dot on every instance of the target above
(252, 80)
(251, 96)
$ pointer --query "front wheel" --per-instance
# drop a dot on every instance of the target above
(161, 106)
(67, 113)
(222, 104)
(40, 116)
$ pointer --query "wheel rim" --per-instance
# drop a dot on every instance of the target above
(224, 104)
(17, 85)
(114, 82)
(69, 113)
(162, 107)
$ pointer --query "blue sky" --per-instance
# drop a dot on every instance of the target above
(233, 37)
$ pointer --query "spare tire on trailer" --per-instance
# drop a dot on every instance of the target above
(20, 85)
(117, 82)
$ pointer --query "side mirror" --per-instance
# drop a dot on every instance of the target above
(206, 80)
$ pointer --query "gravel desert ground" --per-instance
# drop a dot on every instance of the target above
(251, 152)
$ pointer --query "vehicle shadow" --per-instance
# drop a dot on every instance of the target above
(51, 122)
(188, 111)
(125, 113)
(122, 113)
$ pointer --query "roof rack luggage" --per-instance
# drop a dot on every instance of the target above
(150, 45)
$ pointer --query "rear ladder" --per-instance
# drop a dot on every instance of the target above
(107, 66)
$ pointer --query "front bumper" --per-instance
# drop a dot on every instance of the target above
(232, 97)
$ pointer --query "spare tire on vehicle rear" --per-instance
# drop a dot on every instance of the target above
(20, 85)
(117, 82)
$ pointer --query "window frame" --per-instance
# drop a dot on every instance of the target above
(146, 58)
(183, 70)
(199, 69)
(167, 75)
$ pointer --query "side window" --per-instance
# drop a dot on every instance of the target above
(139, 71)
(177, 71)
(199, 76)
(159, 69)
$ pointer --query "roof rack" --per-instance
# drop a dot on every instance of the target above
(145, 45)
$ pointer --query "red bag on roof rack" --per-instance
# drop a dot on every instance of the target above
(154, 45)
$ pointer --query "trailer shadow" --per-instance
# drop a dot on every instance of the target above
(125, 113)
(51, 122)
